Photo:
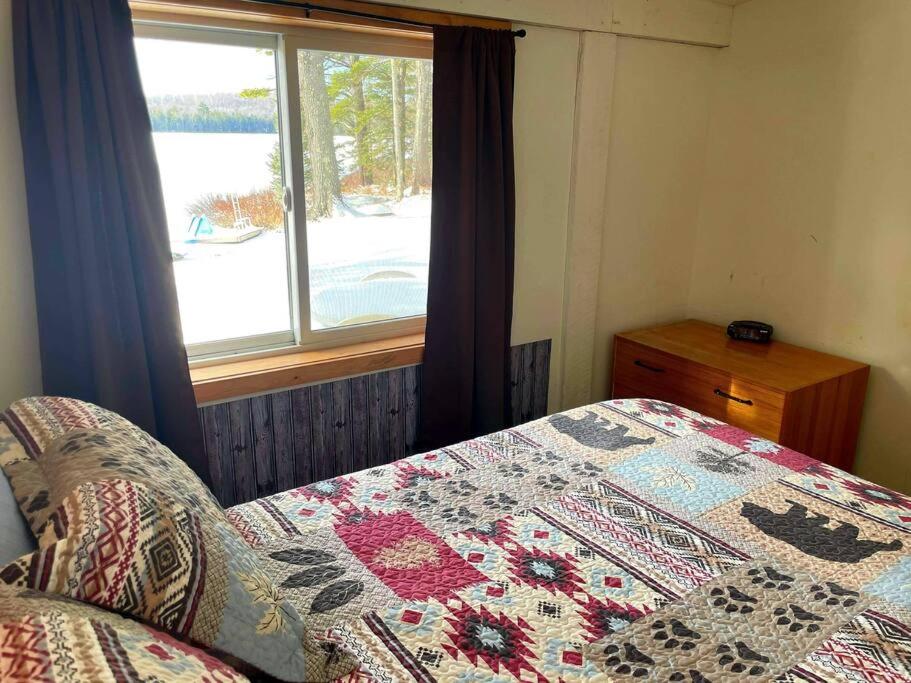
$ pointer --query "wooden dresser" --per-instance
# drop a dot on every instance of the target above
(802, 399)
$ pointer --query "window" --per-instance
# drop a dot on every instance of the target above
(296, 171)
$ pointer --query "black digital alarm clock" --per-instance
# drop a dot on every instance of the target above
(750, 330)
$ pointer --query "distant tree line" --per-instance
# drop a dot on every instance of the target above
(174, 121)
(215, 113)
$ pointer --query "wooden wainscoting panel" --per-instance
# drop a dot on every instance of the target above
(263, 444)
(530, 374)
(289, 438)
(377, 400)
(242, 450)
(412, 406)
(283, 440)
(321, 429)
(360, 424)
(216, 429)
(301, 435)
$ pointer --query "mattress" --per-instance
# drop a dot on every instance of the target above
(630, 539)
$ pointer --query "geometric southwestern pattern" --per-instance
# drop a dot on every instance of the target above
(126, 525)
(50, 445)
(53, 639)
(120, 546)
(631, 539)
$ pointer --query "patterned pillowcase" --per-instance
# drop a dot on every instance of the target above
(25, 477)
(46, 637)
(121, 449)
(89, 455)
(31, 425)
(123, 546)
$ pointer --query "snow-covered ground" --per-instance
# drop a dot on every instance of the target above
(361, 268)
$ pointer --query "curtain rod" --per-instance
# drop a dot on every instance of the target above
(309, 7)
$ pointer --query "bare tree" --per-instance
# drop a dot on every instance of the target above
(324, 171)
(398, 124)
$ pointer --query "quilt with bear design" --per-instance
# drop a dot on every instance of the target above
(631, 539)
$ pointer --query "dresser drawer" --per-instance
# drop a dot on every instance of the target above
(640, 371)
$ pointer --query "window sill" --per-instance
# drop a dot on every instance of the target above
(239, 377)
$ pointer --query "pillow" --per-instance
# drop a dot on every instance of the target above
(74, 467)
(89, 455)
(26, 429)
(15, 537)
(140, 535)
(45, 637)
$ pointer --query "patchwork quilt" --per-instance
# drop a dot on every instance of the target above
(630, 539)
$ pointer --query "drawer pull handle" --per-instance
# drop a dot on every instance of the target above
(724, 394)
(645, 366)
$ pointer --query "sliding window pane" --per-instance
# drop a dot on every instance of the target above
(367, 168)
(215, 126)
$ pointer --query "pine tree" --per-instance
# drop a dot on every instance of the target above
(398, 124)
(422, 120)
(318, 129)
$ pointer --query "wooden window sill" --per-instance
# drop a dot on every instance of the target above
(242, 377)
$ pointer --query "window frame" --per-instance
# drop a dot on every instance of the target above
(285, 41)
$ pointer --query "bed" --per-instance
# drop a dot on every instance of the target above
(631, 539)
(628, 539)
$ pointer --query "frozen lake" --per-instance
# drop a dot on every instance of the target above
(361, 268)
(196, 164)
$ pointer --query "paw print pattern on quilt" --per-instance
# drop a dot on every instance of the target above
(475, 497)
(538, 554)
(750, 622)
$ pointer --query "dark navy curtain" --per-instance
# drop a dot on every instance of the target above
(107, 303)
(465, 384)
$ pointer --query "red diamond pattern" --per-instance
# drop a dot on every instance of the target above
(572, 657)
(410, 616)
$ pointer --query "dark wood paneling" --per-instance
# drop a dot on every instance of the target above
(378, 430)
(283, 439)
(242, 450)
(515, 381)
(321, 427)
(303, 439)
(262, 445)
(412, 406)
(528, 384)
(341, 428)
(216, 427)
(360, 430)
(529, 377)
(395, 410)
(541, 378)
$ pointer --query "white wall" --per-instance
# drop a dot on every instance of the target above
(543, 130)
(20, 369)
(805, 216)
(658, 125)
(657, 140)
